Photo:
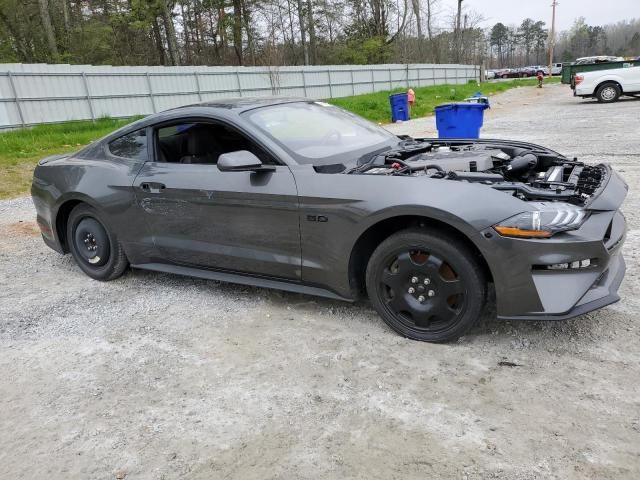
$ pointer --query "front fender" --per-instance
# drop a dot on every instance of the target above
(351, 204)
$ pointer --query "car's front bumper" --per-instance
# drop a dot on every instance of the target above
(528, 289)
(602, 293)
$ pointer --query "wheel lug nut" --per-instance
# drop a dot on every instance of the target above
(414, 280)
(427, 281)
(421, 298)
(431, 293)
(411, 290)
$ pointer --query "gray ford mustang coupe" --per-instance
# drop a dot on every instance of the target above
(303, 196)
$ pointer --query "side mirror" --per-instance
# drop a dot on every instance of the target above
(241, 161)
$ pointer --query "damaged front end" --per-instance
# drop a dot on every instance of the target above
(526, 171)
(561, 255)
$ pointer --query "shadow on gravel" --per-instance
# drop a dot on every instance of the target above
(489, 328)
(593, 101)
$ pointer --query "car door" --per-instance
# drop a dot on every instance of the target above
(234, 221)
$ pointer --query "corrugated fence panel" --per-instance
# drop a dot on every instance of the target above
(40, 93)
(122, 106)
(223, 83)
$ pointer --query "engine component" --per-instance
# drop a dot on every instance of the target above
(450, 160)
(554, 174)
(522, 164)
(380, 171)
(482, 177)
(530, 174)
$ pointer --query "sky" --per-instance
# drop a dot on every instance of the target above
(596, 12)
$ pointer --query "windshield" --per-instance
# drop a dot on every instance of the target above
(319, 133)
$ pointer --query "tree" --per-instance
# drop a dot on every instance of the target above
(499, 39)
(527, 37)
(45, 18)
(283, 32)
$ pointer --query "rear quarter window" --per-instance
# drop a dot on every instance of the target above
(132, 145)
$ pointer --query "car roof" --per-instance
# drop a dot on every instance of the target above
(241, 104)
(224, 107)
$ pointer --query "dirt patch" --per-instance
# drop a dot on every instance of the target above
(29, 229)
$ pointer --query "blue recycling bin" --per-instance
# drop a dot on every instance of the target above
(460, 120)
(399, 107)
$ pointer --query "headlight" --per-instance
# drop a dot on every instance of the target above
(547, 220)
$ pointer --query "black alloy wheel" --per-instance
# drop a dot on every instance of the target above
(426, 286)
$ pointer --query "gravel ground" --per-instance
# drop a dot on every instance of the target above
(155, 376)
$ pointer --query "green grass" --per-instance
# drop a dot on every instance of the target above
(375, 106)
(20, 149)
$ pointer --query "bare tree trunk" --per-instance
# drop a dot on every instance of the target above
(186, 35)
(158, 40)
(435, 48)
(429, 20)
(293, 37)
(45, 17)
(416, 11)
(65, 16)
(458, 34)
(312, 33)
(246, 16)
(237, 30)
(170, 31)
(303, 32)
(284, 35)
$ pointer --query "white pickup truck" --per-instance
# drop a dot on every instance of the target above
(608, 85)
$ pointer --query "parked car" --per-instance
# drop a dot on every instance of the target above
(526, 72)
(306, 197)
(490, 74)
(507, 73)
(533, 71)
(556, 69)
(608, 85)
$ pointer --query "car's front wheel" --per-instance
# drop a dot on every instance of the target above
(425, 285)
(95, 249)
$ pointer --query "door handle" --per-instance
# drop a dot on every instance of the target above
(152, 187)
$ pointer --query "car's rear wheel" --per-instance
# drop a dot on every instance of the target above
(525, 75)
(95, 249)
(425, 285)
(609, 92)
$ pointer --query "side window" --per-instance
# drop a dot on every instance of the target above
(203, 143)
(132, 145)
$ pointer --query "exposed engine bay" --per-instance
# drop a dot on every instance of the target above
(527, 171)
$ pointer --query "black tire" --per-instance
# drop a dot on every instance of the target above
(608, 93)
(449, 280)
(525, 75)
(505, 76)
(95, 249)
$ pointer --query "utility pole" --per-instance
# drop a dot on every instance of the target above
(552, 36)
(458, 35)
